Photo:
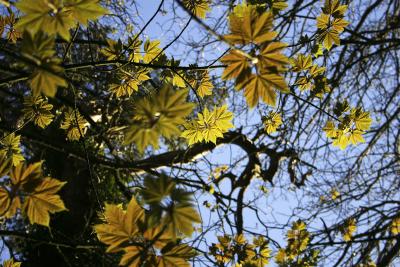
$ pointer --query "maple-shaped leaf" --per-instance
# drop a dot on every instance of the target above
(132, 256)
(204, 86)
(272, 122)
(7, 25)
(181, 217)
(197, 7)
(46, 15)
(361, 119)
(271, 56)
(74, 124)
(176, 256)
(113, 50)
(342, 140)
(57, 17)
(46, 81)
(158, 235)
(316, 70)
(236, 63)
(304, 83)
(152, 50)
(178, 81)
(85, 10)
(158, 115)
(334, 8)
(330, 129)
(9, 146)
(47, 73)
(247, 25)
(119, 226)
(142, 136)
(262, 87)
(129, 82)
(38, 109)
(39, 194)
(301, 63)
(134, 44)
(157, 188)
(22, 174)
(43, 200)
(329, 30)
(209, 125)
(356, 137)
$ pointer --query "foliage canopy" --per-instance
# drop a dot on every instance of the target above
(257, 133)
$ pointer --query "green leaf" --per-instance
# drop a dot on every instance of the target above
(152, 50)
(182, 216)
(47, 74)
(157, 188)
(85, 10)
(57, 17)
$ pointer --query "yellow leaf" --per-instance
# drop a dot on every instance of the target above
(57, 17)
(49, 16)
(21, 174)
(129, 82)
(113, 49)
(74, 124)
(131, 257)
(349, 229)
(204, 86)
(5, 201)
(247, 25)
(342, 140)
(38, 206)
(176, 256)
(236, 63)
(333, 7)
(43, 200)
(272, 122)
(301, 63)
(47, 74)
(159, 235)
(335, 194)
(197, 7)
(11, 263)
(158, 115)
(280, 257)
(152, 50)
(209, 125)
(9, 146)
(395, 226)
(262, 86)
(362, 119)
(182, 216)
(119, 226)
(356, 137)
(271, 56)
(330, 130)
(39, 110)
(5, 164)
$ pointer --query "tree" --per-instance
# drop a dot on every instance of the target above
(257, 133)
